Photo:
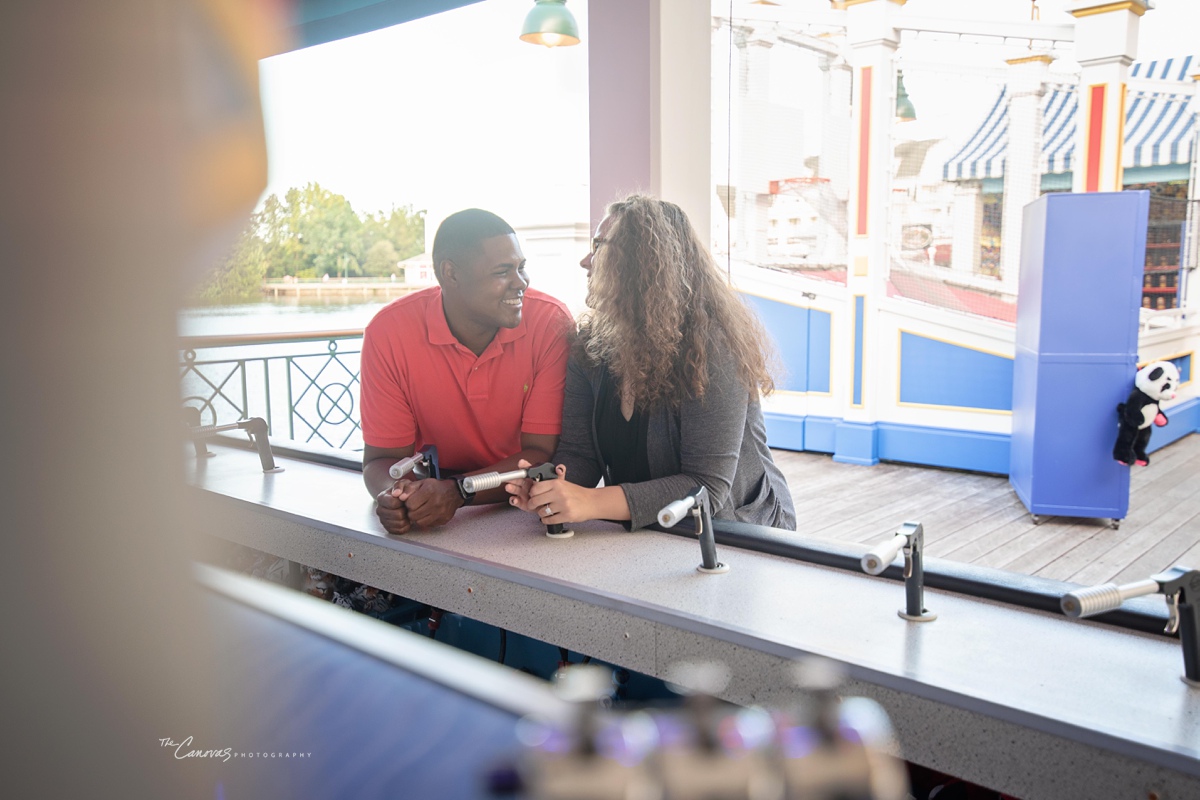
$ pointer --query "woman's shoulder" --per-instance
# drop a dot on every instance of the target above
(581, 364)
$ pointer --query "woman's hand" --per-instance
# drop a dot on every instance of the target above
(560, 502)
(555, 502)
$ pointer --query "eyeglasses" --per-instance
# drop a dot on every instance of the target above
(596, 242)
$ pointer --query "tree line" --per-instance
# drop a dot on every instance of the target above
(308, 233)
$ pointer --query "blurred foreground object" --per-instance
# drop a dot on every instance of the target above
(824, 749)
(132, 152)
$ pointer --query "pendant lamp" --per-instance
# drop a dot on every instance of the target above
(549, 23)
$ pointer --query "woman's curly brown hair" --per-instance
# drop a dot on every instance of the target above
(659, 306)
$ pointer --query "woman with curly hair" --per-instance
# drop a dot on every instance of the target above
(663, 386)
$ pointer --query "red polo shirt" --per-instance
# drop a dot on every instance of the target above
(421, 386)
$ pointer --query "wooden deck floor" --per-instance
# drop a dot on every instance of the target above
(978, 519)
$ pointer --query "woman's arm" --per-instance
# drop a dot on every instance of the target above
(576, 446)
(710, 441)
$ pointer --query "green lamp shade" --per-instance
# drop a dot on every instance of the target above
(549, 23)
(905, 111)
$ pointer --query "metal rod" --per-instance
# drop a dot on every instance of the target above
(708, 545)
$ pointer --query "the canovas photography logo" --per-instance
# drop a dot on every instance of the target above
(186, 748)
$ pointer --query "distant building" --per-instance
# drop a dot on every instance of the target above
(418, 270)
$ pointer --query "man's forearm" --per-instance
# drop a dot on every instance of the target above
(375, 475)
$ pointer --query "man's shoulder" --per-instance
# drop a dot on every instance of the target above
(405, 311)
(541, 307)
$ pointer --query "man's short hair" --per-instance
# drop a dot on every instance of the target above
(458, 237)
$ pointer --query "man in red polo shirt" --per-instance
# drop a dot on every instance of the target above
(475, 366)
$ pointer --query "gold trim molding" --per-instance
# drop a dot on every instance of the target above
(1044, 58)
(841, 5)
(1135, 6)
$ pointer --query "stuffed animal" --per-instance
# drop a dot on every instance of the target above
(1154, 383)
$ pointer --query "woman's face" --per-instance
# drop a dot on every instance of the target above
(598, 241)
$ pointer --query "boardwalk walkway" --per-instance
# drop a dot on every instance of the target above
(978, 519)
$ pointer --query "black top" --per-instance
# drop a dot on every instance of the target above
(622, 442)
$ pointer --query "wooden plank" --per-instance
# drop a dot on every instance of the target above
(1156, 522)
(979, 519)
(882, 515)
(862, 505)
(1191, 559)
(1139, 531)
(1164, 554)
(1033, 551)
(944, 524)
(989, 534)
(1179, 540)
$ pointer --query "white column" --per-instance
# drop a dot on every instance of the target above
(753, 122)
(650, 109)
(967, 214)
(1189, 294)
(1022, 163)
(837, 78)
(873, 39)
(1105, 46)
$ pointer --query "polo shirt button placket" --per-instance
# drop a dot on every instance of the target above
(476, 393)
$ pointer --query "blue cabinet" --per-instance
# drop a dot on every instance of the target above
(1076, 350)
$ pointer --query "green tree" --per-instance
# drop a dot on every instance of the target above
(278, 225)
(309, 232)
(238, 277)
(403, 227)
(381, 259)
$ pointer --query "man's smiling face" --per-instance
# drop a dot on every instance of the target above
(493, 285)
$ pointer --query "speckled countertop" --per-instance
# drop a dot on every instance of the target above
(636, 598)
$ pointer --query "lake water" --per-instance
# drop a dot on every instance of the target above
(282, 315)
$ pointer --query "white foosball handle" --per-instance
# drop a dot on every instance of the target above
(674, 511)
(1109, 597)
(879, 557)
(404, 466)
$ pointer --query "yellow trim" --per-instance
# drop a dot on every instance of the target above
(1191, 353)
(841, 5)
(1045, 59)
(861, 264)
(946, 341)
(971, 409)
(1124, 5)
(1121, 141)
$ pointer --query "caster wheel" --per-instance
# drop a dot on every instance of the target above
(1115, 524)
(1036, 519)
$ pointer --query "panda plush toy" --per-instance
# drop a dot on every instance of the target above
(1154, 383)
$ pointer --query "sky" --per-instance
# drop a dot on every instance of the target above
(454, 110)
(443, 113)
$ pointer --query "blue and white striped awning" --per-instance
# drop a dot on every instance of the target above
(1160, 126)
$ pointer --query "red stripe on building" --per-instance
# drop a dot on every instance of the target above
(1095, 149)
(864, 151)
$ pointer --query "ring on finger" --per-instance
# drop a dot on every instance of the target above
(546, 510)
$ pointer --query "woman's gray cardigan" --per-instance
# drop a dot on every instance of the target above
(720, 442)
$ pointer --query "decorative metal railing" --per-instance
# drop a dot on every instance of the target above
(306, 394)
